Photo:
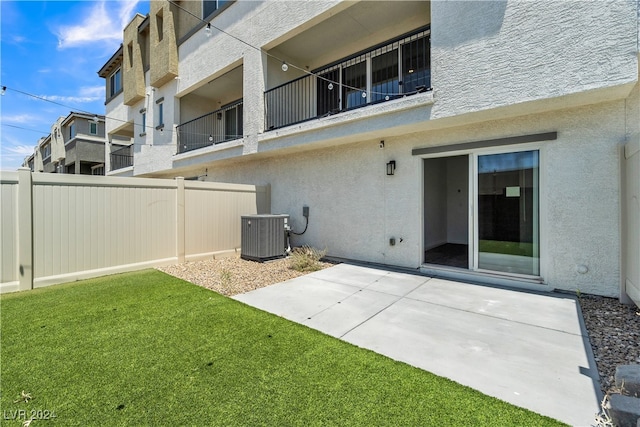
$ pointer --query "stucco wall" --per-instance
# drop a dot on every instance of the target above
(356, 207)
(489, 54)
(155, 150)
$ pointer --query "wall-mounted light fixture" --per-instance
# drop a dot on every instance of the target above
(285, 67)
(391, 167)
(4, 90)
(207, 29)
(381, 144)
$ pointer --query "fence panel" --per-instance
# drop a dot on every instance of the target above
(9, 229)
(77, 228)
(631, 235)
(86, 226)
(212, 216)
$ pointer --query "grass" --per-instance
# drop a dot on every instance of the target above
(509, 248)
(145, 348)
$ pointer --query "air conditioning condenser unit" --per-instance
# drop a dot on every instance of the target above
(263, 237)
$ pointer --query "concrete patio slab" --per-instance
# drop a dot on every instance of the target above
(529, 366)
(349, 274)
(298, 303)
(350, 313)
(526, 348)
(541, 309)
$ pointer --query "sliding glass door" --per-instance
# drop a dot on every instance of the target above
(508, 235)
(482, 211)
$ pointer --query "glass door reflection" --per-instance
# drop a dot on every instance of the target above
(508, 213)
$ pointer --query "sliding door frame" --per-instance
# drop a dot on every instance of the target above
(472, 216)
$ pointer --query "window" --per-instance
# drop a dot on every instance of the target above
(160, 26)
(210, 6)
(384, 78)
(160, 115)
(416, 64)
(144, 42)
(233, 123)
(354, 78)
(130, 54)
(72, 130)
(115, 83)
(46, 151)
(143, 124)
(328, 93)
(93, 128)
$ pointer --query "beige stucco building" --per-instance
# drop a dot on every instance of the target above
(489, 141)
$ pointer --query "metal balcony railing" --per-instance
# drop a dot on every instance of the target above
(213, 128)
(122, 157)
(397, 68)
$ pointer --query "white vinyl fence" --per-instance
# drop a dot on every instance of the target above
(58, 228)
(631, 221)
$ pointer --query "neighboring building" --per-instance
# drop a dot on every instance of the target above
(30, 161)
(74, 146)
(474, 140)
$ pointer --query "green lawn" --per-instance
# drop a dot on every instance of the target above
(509, 248)
(148, 349)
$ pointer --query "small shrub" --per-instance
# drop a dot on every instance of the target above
(306, 258)
(225, 277)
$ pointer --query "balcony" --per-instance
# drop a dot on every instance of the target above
(397, 68)
(224, 124)
(122, 157)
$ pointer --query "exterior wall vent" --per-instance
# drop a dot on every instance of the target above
(263, 237)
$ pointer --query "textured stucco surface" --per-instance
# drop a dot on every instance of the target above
(164, 57)
(133, 84)
(488, 54)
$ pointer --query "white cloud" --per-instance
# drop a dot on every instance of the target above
(19, 150)
(97, 91)
(85, 94)
(18, 118)
(70, 99)
(102, 24)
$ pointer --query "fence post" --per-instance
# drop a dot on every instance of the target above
(25, 229)
(180, 208)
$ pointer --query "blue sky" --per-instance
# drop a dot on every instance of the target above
(53, 49)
